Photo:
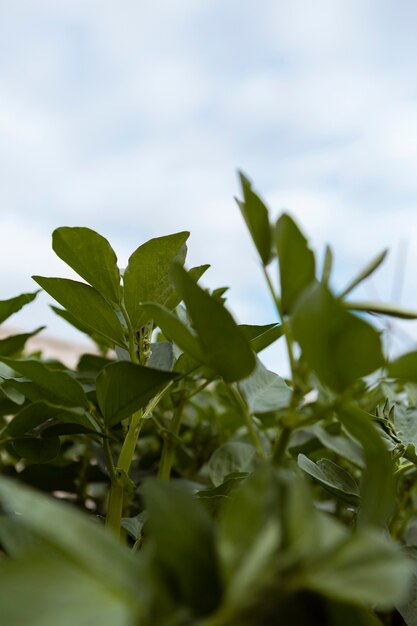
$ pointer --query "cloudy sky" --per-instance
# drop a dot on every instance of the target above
(132, 118)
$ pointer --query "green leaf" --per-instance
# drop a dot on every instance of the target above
(101, 341)
(255, 214)
(231, 458)
(59, 386)
(37, 413)
(174, 329)
(404, 367)
(261, 337)
(332, 477)
(382, 309)
(366, 569)
(339, 346)
(15, 343)
(183, 539)
(367, 271)
(38, 449)
(123, 388)
(405, 423)
(265, 391)
(341, 445)
(327, 266)
(162, 356)
(225, 347)
(8, 307)
(146, 278)
(377, 486)
(91, 256)
(296, 261)
(86, 305)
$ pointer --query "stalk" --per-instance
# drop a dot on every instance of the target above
(253, 433)
(168, 450)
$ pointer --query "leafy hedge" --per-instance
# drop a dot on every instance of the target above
(171, 479)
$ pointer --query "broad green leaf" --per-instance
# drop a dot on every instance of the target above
(38, 449)
(59, 386)
(101, 341)
(377, 486)
(332, 477)
(255, 214)
(123, 388)
(224, 345)
(183, 540)
(261, 337)
(37, 413)
(174, 329)
(231, 458)
(15, 343)
(296, 261)
(214, 499)
(382, 309)
(81, 540)
(48, 590)
(13, 305)
(339, 346)
(162, 356)
(367, 271)
(86, 305)
(366, 569)
(341, 445)
(146, 278)
(91, 256)
(405, 423)
(265, 391)
(404, 367)
(197, 272)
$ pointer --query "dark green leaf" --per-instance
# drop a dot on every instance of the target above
(255, 214)
(225, 347)
(183, 538)
(332, 477)
(38, 449)
(146, 278)
(14, 344)
(86, 305)
(91, 256)
(367, 271)
(404, 367)
(265, 391)
(101, 341)
(382, 309)
(339, 346)
(327, 266)
(123, 388)
(8, 307)
(296, 261)
(35, 414)
(261, 337)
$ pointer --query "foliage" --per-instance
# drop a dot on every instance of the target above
(171, 479)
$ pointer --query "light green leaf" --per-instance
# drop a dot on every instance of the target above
(332, 477)
(367, 271)
(264, 390)
(123, 388)
(405, 423)
(162, 356)
(13, 305)
(225, 347)
(59, 386)
(255, 214)
(339, 346)
(91, 256)
(231, 458)
(296, 261)
(146, 278)
(86, 305)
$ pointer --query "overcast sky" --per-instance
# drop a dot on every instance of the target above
(132, 118)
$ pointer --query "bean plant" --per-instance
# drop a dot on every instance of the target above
(171, 479)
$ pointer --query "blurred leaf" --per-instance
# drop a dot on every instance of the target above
(57, 385)
(404, 367)
(146, 278)
(261, 337)
(183, 539)
(296, 261)
(35, 414)
(256, 217)
(265, 391)
(382, 309)
(340, 444)
(339, 346)
(86, 304)
(327, 266)
(231, 457)
(332, 477)
(15, 343)
(367, 271)
(38, 449)
(162, 356)
(123, 388)
(91, 256)
(225, 347)
(8, 307)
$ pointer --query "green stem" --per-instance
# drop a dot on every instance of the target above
(168, 450)
(282, 445)
(253, 433)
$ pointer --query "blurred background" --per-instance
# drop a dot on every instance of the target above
(133, 117)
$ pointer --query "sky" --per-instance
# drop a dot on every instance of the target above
(133, 118)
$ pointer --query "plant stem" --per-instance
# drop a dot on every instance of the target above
(282, 443)
(167, 456)
(253, 433)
